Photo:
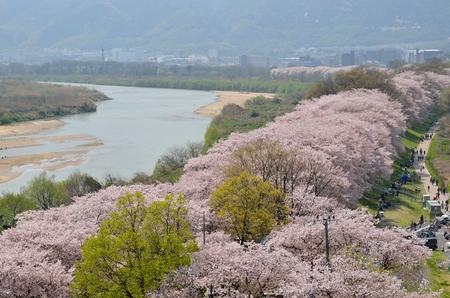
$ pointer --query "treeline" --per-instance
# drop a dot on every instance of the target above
(156, 75)
(22, 101)
(43, 193)
(224, 85)
(244, 85)
(132, 70)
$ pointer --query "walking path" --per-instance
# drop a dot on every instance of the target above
(430, 188)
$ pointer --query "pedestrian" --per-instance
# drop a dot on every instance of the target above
(424, 153)
(444, 190)
(428, 188)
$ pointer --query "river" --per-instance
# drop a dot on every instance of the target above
(136, 128)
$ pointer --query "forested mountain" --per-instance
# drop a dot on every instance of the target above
(202, 24)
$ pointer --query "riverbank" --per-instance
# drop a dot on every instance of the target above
(224, 98)
(22, 135)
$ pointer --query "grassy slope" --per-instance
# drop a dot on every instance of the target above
(407, 206)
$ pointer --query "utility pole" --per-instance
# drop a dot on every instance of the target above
(204, 230)
(103, 61)
(325, 222)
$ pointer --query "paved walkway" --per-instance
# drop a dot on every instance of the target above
(430, 188)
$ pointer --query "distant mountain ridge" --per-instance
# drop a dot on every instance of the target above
(202, 24)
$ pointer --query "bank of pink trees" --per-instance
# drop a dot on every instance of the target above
(420, 92)
(306, 74)
(344, 142)
(365, 261)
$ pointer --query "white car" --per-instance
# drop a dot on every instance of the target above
(448, 245)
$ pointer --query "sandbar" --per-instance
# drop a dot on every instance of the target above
(20, 135)
(29, 128)
(226, 97)
(49, 161)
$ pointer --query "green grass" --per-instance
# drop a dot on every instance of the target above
(408, 205)
(438, 273)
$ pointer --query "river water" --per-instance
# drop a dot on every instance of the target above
(136, 128)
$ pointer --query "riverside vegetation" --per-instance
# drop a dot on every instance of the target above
(22, 101)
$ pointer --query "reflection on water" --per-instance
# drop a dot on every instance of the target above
(135, 128)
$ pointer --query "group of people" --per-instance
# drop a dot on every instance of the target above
(426, 136)
(414, 225)
(383, 204)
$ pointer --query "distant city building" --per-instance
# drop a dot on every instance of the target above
(333, 61)
(383, 56)
(254, 60)
(178, 54)
(216, 53)
(309, 61)
(421, 56)
(348, 59)
(126, 55)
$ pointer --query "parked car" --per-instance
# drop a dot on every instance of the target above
(430, 243)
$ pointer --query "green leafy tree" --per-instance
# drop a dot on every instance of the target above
(45, 191)
(432, 65)
(360, 77)
(251, 207)
(135, 247)
(80, 184)
(322, 88)
(170, 165)
(12, 204)
(396, 64)
(5, 118)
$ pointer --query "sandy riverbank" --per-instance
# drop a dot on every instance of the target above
(224, 98)
(21, 135)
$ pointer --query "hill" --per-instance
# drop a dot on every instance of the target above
(197, 25)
